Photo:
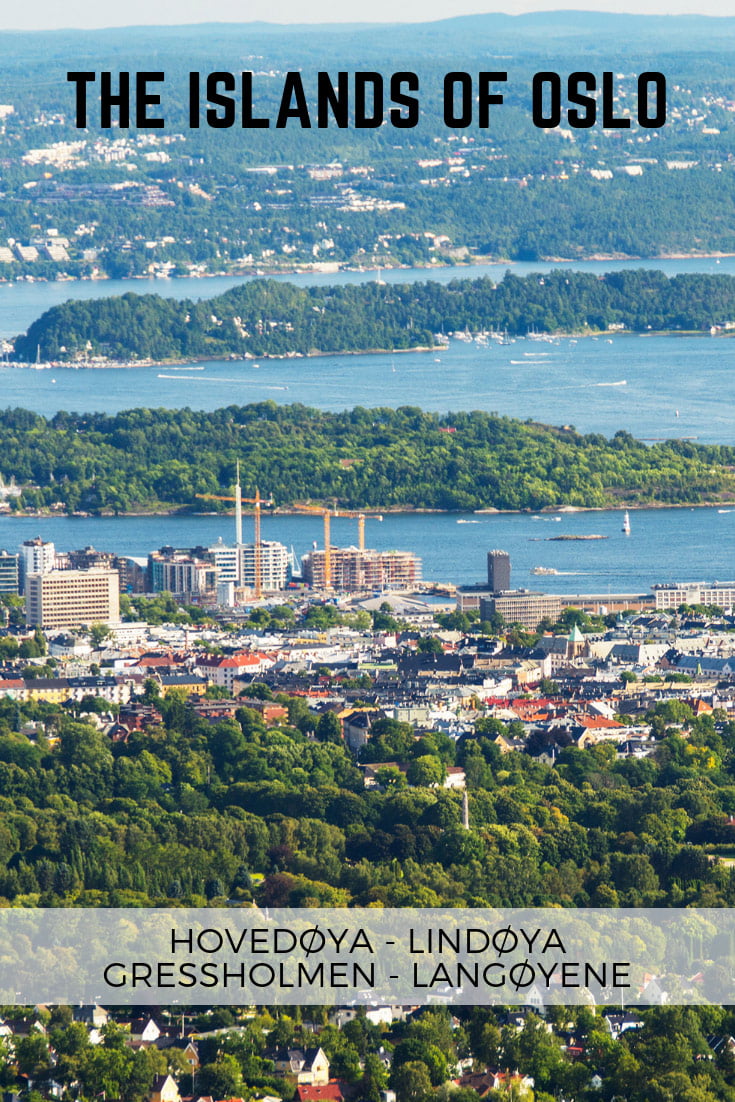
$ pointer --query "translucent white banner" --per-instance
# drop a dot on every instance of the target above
(367, 956)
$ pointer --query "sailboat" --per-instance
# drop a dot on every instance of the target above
(626, 523)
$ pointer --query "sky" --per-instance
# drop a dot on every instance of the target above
(50, 14)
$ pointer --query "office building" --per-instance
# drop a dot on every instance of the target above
(72, 598)
(469, 597)
(498, 571)
(522, 606)
(719, 594)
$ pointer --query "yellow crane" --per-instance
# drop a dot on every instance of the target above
(361, 518)
(327, 515)
(257, 502)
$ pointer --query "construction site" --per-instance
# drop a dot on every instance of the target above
(246, 571)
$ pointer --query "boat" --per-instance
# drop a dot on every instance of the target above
(626, 523)
(543, 570)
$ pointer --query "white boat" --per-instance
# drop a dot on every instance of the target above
(626, 523)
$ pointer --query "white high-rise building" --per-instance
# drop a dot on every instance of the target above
(36, 557)
(236, 564)
(225, 558)
(274, 564)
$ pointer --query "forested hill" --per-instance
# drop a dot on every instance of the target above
(268, 318)
(381, 458)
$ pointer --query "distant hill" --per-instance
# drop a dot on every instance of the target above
(547, 32)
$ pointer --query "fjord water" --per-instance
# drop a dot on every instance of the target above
(653, 387)
(665, 545)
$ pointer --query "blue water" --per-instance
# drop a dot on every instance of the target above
(665, 545)
(654, 387)
(595, 384)
(21, 303)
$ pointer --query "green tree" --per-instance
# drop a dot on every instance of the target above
(426, 771)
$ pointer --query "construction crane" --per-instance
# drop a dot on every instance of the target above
(361, 518)
(257, 502)
(327, 518)
(327, 515)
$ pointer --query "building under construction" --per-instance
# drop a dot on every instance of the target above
(355, 570)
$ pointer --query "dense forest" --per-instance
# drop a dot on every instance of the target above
(379, 458)
(268, 318)
(191, 813)
(273, 815)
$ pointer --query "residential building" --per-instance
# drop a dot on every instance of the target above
(164, 1089)
(36, 557)
(225, 557)
(274, 565)
(224, 671)
(132, 572)
(353, 570)
(309, 1066)
(9, 572)
(213, 570)
(181, 573)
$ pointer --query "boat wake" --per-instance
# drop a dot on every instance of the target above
(212, 379)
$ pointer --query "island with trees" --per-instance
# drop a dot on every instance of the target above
(268, 318)
(161, 460)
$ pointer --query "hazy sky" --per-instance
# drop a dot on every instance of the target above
(43, 14)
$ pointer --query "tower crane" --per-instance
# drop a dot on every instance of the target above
(327, 515)
(257, 502)
(361, 518)
(327, 518)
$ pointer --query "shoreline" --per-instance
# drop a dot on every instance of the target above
(393, 511)
(473, 262)
(233, 358)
